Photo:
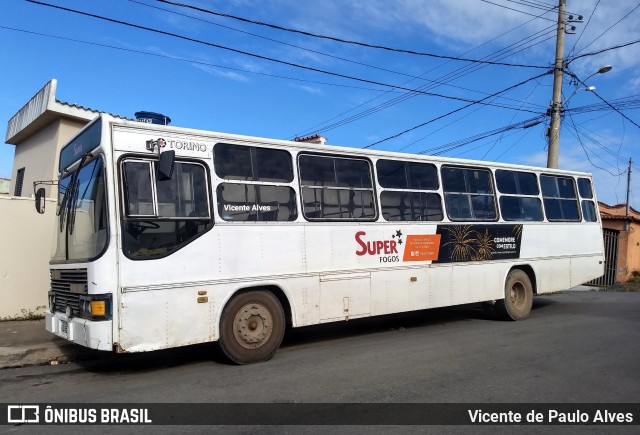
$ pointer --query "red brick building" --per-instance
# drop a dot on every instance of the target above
(621, 232)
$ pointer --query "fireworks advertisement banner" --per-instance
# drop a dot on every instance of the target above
(463, 243)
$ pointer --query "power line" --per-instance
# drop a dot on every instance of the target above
(462, 142)
(193, 61)
(345, 41)
(457, 120)
(585, 27)
(539, 5)
(304, 48)
(505, 135)
(517, 10)
(590, 134)
(234, 50)
(497, 140)
(449, 77)
(401, 98)
(513, 144)
(610, 27)
(290, 45)
(626, 103)
(547, 7)
(442, 127)
(577, 136)
(456, 110)
(603, 100)
(593, 53)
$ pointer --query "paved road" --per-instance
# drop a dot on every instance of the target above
(576, 347)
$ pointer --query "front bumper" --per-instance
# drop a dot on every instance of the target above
(92, 334)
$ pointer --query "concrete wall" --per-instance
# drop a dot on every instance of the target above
(633, 249)
(5, 186)
(26, 239)
(39, 154)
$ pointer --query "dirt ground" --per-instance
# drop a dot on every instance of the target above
(633, 285)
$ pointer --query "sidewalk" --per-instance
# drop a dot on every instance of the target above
(27, 342)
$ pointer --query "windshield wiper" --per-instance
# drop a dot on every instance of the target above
(62, 211)
(69, 202)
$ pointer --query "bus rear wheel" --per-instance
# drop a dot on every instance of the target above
(251, 327)
(518, 297)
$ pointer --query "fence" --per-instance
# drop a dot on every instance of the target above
(611, 259)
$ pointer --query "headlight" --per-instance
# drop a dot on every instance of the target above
(95, 307)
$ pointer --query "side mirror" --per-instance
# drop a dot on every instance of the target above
(166, 162)
(40, 200)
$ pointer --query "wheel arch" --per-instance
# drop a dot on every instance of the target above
(276, 290)
(526, 268)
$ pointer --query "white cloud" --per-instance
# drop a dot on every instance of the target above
(309, 89)
(222, 73)
(633, 85)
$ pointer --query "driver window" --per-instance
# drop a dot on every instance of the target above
(138, 193)
(163, 216)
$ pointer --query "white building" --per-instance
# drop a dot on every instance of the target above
(38, 131)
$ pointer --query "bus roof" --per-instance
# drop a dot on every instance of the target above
(329, 148)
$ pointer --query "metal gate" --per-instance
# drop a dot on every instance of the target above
(610, 259)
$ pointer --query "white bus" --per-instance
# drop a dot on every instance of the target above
(169, 236)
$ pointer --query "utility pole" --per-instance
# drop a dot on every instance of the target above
(626, 214)
(556, 103)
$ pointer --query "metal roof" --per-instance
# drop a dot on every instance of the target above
(42, 109)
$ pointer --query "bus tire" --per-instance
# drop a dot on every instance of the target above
(251, 327)
(518, 297)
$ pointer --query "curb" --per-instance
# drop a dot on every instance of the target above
(13, 357)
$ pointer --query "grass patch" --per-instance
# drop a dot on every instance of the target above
(629, 286)
(35, 314)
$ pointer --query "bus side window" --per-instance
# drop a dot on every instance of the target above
(560, 198)
(396, 174)
(468, 194)
(249, 201)
(410, 206)
(249, 163)
(256, 203)
(336, 188)
(589, 213)
(519, 200)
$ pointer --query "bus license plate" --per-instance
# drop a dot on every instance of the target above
(64, 327)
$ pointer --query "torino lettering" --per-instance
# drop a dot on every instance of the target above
(375, 247)
(191, 146)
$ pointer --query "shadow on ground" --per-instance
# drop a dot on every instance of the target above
(106, 362)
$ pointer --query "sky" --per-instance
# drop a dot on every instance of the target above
(214, 72)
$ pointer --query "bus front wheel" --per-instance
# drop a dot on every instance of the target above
(518, 297)
(251, 327)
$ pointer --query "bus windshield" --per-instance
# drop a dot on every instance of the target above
(82, 214)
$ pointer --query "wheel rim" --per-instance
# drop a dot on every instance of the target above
(252, 325)
(518, 296)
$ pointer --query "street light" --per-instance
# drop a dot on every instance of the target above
(602, 70)
(588, 89)
(556, 110)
